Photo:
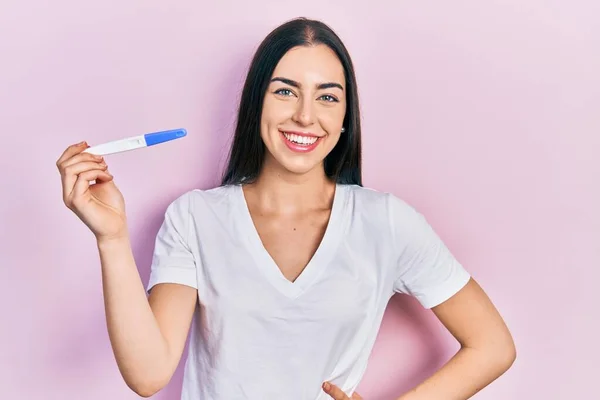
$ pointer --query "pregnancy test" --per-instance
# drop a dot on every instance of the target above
(136, 142)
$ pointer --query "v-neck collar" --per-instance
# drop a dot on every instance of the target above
(318, 262)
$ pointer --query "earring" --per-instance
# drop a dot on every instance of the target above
(343, 129)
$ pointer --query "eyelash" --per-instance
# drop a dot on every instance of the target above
(332, 98)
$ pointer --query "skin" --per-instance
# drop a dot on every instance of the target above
(290, 201)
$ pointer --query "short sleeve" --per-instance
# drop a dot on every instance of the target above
(425, 268)
(172, 260)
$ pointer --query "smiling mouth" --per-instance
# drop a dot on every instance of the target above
(300, 142)
(300, 139)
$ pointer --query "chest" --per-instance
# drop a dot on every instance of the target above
(265, 270)
(291, 241)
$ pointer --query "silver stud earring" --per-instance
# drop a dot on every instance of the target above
(343, 129)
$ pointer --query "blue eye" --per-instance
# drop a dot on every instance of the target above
(329, 98)
(284, 92)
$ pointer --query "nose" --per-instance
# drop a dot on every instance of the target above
(304, 114)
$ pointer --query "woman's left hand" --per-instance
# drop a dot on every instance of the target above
(337, 393)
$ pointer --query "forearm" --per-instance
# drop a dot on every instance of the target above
(139, 347)
(469, 371)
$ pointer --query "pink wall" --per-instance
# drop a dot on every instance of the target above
(485, 115)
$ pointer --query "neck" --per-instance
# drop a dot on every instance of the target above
(281, 192)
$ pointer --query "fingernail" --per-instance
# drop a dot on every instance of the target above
(327, 386)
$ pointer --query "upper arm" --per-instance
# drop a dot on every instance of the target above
(173, 282)
(425, 268)
(473, 320)
(173, 306)
(428, 271)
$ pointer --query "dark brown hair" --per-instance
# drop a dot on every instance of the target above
(343, 163)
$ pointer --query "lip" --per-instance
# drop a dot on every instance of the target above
(300, 148)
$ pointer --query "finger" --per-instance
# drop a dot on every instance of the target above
(71, 151)
(69, 171)
(356, 396)
(81, 157)
(334, 391)
(73, 171)
(83, 182)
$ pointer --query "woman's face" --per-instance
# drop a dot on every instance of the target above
(304, 108)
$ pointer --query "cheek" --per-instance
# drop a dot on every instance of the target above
(332, 121)
(332, 140)
(266, 118)
(275, 111)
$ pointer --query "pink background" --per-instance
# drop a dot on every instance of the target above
(484, 115)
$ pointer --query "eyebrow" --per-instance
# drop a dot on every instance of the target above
(293, 83)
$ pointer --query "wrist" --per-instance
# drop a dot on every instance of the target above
(113, 241)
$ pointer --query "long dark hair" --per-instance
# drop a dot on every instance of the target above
(343, 163)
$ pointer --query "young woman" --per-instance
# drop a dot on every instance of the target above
(289, 265)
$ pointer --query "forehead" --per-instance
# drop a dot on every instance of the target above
(311, 65)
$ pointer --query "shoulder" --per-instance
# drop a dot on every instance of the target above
(374, 201)
(194, 200)
(382, 209)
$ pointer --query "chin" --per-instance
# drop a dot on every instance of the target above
(299, 165)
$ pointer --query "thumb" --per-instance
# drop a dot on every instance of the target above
(334, 392)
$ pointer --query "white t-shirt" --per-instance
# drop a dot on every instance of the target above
(258, 336)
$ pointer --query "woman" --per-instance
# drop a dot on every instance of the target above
(288, 265)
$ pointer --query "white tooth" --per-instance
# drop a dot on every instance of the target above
(305, 140)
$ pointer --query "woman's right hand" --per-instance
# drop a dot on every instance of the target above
(101, 205)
